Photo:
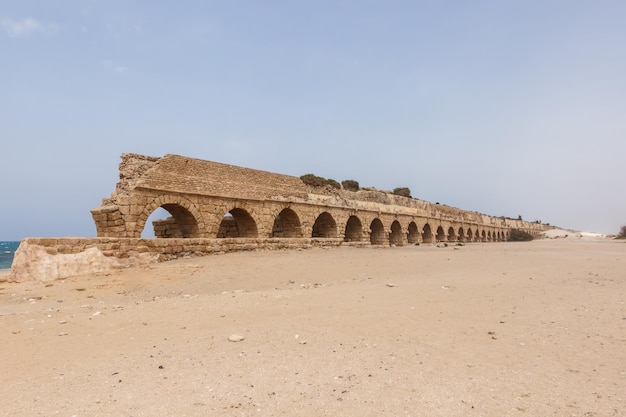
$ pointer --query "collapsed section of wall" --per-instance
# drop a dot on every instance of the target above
(48, 259)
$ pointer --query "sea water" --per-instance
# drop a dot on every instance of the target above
(7, 250)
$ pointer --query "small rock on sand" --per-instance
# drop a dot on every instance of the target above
(235, 337)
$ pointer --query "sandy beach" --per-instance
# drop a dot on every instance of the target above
(484, 329)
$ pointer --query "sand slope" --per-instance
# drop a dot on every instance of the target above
(507, 329)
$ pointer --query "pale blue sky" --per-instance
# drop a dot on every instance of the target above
(503, 107)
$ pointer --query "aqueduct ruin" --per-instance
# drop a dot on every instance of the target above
(217, 208)
(210, 200)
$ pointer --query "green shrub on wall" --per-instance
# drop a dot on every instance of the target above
(350, 185)
(402, 191)
(313, 180)
(519, 236)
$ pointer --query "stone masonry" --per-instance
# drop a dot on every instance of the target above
(217, 208)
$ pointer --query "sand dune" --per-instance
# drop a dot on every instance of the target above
(498, 329)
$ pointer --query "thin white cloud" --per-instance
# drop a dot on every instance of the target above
(26, 27)
(114, 66)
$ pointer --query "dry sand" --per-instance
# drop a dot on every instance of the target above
(499, 329)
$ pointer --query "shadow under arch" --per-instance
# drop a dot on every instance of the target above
(354, 230)
(441, 236)
(461, 235)
(395, 237)
(427, 234)
(377, 232)
(237, 223)
(414, 235)
(324, 226)
(451, 235)
(287, 225)
(180, 224)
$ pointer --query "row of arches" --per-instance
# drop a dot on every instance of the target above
(239, 223)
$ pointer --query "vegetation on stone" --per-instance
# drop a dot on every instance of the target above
(402, 191)
(519, 236)
(333, 183)
(313, 180)
(350, 185)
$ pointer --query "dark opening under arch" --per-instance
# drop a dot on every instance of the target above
(441, 236)
(427, 234)
(354, 230)
(413, 236)
(237, 223)
(324, 226)
(395, 237)
(287, 224)
(180, 224)
(377, 233)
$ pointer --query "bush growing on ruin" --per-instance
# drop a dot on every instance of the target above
(402, 191)
(622, 233)
(313, 180)
(519, 236)
(350, 185)
(333, 183)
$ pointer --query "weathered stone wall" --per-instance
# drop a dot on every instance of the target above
(219, 208)
(199, 193)
(47, 259)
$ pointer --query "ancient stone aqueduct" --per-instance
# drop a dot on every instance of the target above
(213, 200)
(216, 207)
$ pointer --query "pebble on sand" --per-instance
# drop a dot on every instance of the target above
(235, 337)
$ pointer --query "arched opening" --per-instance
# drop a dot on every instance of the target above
(287, 224)
(427, 234)
(461, 235)
(396, 238)
(237, 223)
(377, 233)
(470, 235)
(171, 221)
(489, 236)
(441, 236)
(414, 234)
(354, 230)
(451, 235)
(484, 236)
(324, 226)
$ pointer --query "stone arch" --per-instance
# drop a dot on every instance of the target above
(451, 234)
(354, 230)
(489, 236)
(396, 237)
(427, 234)
(185, 220)
(377, 232)
(413, 233)
(461, 235)
(483, 236)
(287, 224)
(324, 226)
(441, 236)
(470, 235)
(237, 223)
